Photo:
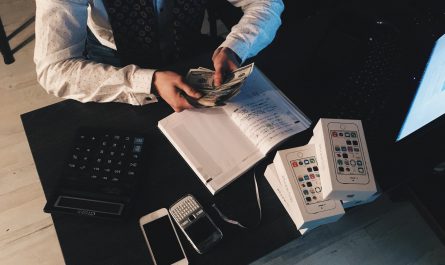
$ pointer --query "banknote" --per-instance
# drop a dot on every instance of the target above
(202, 79)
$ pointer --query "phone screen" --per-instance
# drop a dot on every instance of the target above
(200, 230)
(163, 241)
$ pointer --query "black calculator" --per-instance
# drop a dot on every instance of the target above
(100, 175)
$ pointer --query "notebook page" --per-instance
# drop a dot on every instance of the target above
(213, 146)
(264, 114)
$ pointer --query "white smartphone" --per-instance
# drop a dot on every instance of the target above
(347, 152)
(194, 222)
(161, 238)
(307, 177)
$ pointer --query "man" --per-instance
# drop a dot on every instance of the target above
(143, 35)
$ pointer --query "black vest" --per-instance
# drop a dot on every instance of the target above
(137, 35)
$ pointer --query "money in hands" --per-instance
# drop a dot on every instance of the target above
(202, 80)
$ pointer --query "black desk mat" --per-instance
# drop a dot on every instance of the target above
(83, 240)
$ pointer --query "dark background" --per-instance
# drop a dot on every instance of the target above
(321, 51)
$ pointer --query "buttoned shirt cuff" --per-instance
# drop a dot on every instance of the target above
(142, 87)
(240, 48)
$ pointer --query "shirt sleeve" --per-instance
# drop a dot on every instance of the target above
(256, 28)
(61, 28)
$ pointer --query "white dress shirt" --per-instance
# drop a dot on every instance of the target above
(60, 42)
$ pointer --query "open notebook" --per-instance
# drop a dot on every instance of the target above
(220, 144)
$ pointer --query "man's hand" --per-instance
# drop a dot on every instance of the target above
(224, 60)
(171, 86)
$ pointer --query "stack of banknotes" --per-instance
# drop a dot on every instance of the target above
(202, 80)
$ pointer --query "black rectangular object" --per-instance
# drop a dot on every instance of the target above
(100, 175)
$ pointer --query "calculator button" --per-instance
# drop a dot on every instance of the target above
(138, 140)
(137, 149)
(115, 179)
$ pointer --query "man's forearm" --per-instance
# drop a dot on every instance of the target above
(61, 28)
(257, 27)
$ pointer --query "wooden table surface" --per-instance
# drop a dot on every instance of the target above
(27, 235)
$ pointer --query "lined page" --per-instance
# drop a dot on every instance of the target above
(264, 114)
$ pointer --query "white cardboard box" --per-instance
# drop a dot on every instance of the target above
(305, 214)
(272, 178)
(373, 197)
(344, 163)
